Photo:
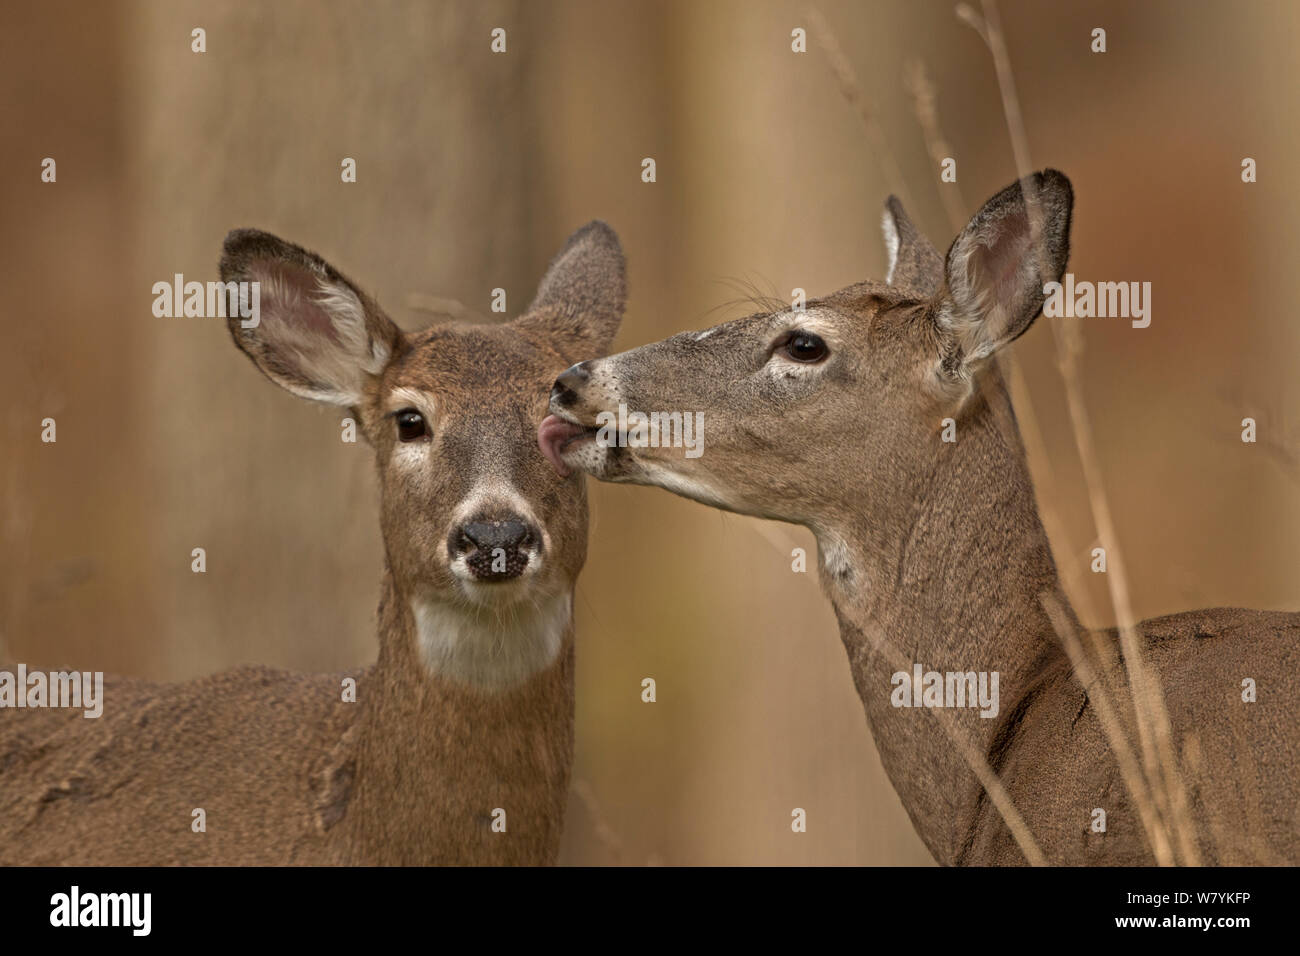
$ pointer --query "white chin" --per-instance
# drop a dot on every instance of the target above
(588, 456)
(496, 593)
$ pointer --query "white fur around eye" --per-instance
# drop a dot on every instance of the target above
(407, 454)
(403, 397)
(783, 368)
(410, 452)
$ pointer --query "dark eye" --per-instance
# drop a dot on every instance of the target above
(804, 347)
(410, 425)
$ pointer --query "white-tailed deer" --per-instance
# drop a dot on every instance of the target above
(933, 554)
(458, 747)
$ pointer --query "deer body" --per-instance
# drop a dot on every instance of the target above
(960, 576)
(458, 744)
(933, 554)
(288, 773)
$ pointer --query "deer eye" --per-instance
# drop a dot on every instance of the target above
(410, 425)
(804, 347)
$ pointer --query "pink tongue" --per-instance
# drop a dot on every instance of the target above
(552, 433)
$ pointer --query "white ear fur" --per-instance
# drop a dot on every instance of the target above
(890, 231)
(296, 325)
(914, 265)
(316, 335)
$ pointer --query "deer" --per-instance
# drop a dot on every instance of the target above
(833, 417)
(456, 746)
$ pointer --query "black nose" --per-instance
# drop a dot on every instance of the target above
(494, 550)
(565, 390)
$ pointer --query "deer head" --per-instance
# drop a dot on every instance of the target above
(809, 415)
(481, 535)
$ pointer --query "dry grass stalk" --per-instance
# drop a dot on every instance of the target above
(1157, 833)
(1001, 800)
(925, 106)
(852, 92)
(436, 305)
(979, 766)
(1153, 727)
(605, 834)
(975, 760)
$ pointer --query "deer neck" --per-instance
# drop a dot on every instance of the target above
(946, 575)
(437, 759)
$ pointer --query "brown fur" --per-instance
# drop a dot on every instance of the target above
(411, 773)
(936, 549)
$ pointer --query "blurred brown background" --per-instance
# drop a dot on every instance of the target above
(472, 168)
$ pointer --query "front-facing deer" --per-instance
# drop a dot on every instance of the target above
(459, 744)
(835, 417)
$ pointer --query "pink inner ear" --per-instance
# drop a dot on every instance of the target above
(288, 294)
(999, 265)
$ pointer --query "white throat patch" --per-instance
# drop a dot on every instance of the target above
(489, 647)
(836, 560)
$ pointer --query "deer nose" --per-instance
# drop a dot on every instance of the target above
(494, 550)
(565, 390)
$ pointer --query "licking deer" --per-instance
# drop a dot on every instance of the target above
(834, 417)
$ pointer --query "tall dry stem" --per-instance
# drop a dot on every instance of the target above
(1154, 734)
(925, 106)
(852, 92)
(854, 95)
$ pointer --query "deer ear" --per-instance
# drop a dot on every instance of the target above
(579, 302)
(997, 267)
(312, 331)
(914, 263)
